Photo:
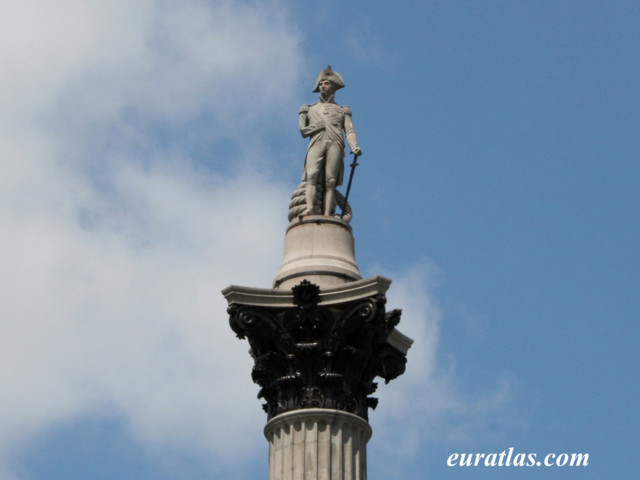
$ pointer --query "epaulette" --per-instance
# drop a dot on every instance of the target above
(346, 110)
(304, 109)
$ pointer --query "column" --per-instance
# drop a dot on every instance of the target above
(317, 444)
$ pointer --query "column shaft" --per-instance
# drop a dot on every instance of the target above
(317, 444)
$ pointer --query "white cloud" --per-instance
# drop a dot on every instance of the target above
(114, 250)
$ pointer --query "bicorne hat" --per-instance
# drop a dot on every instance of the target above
(333, 77)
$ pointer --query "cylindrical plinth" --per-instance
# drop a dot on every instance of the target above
(317, 444)
(320, 249)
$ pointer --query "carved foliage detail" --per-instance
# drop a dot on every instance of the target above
(319, 356)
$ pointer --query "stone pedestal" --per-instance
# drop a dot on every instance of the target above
(317, 444)
(319, 249)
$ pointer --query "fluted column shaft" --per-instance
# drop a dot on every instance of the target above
(317, 444)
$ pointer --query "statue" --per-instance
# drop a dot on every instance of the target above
(326, 123)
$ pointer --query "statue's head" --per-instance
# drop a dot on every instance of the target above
(327, 74)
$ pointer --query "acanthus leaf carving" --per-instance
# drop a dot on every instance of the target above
(309, 355)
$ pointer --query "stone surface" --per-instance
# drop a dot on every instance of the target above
(317, 444)
(280, 298)
(320, 249)
(400, 342)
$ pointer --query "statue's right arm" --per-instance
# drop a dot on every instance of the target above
(303, 120)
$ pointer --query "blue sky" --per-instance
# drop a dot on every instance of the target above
(148, 154)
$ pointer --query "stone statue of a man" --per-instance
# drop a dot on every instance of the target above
(326, 123)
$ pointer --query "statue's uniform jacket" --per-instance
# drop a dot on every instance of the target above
(326, 146)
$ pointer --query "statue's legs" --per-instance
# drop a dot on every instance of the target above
(333, 166)
(323, 164)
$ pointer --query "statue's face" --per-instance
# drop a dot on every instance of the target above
(326, 87)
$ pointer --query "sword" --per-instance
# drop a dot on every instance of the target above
(353, 166)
